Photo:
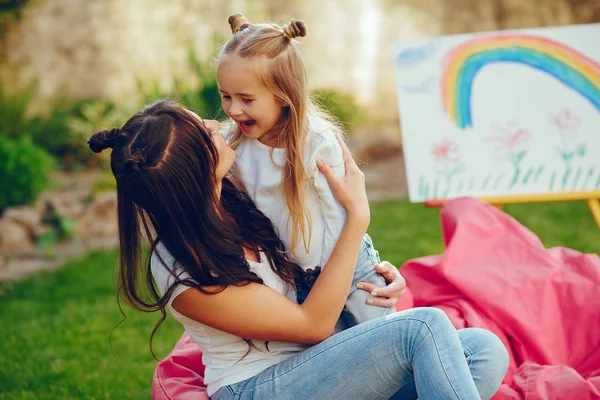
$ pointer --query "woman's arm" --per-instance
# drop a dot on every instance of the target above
(257, 312)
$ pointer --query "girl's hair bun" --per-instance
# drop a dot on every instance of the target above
(294, 29)
(237, 22)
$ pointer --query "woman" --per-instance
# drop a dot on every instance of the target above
(223, 273)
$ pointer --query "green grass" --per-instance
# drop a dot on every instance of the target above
(55, 328)
(402, 231)
(55, 337)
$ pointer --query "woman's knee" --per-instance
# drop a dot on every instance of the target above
(486, 342)
(487, 357)
(434, 318)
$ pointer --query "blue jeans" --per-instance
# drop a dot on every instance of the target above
(356, 310)
(407, 354)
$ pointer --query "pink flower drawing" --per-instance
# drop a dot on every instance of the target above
(509, 139)
(445, 151)
(565, 120)
(567, 123)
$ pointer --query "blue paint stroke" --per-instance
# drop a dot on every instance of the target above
(535, 59)
(576, 179)
(538, 173)
(515, 177)
(552, 177)
(423, 188)
(566, 177)
(527, 176)
(412, 56)
(588, 177)
(460, 187)
(426, 86)
(486, 181)
(497, 181)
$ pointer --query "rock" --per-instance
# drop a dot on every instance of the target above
(17, 269)
(62, 205)
(42, 229)
(100, 218)
(14, 237)
(26, 216)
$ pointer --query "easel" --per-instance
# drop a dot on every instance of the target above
(590, 197)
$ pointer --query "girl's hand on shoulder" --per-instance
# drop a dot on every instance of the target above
(349, 191)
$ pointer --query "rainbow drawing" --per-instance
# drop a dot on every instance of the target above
(572, 68)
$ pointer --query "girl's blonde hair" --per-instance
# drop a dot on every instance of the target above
(285, 77)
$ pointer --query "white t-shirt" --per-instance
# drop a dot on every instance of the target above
(222, 352)
(260, 168)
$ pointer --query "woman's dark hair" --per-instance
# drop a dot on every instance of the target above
(164, 162)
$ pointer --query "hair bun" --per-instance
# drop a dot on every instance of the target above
(103, 140)
(237, 22)
(294, 29)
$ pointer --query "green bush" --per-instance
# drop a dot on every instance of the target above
(65, 130)
(340, 105)
(24, 168)
(51, 132)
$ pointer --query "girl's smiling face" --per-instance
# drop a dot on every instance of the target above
(251, 105)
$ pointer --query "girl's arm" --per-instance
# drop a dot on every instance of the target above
(257, 312)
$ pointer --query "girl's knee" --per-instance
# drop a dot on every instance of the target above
(433, 317)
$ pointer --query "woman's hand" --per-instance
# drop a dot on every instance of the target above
(350, 191)
(386, 296)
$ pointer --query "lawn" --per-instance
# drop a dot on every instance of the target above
(55, 328)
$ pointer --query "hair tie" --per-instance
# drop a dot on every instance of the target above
(294, 29)
(103, 139)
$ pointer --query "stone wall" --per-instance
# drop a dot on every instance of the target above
(79, 48)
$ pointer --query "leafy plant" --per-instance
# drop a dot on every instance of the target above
(199, 91)
(340, 105)
(13, 117)
(24, 168)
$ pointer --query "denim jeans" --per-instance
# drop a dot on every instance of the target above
(356, 310)
(406, 354)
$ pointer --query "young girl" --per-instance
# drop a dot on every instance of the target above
(217, 266)
(278, 135)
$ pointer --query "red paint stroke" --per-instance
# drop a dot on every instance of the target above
(508, 139)
(565, 120)
(445, 151)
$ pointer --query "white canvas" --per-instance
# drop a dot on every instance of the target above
(534, 111)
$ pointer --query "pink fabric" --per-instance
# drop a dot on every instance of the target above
(496, 274)
(543, 303)
(180, 376)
